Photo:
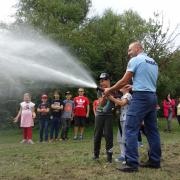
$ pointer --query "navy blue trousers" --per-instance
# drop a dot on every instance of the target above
(142, 107)
(55, 123)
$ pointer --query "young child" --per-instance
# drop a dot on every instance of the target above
(103, 119)
(67, 116)
(27, 113)
(43, 110)
(124, 103)
(56, 105)
(81, 113)
(95, 105)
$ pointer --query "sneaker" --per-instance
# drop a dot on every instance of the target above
(120, 159)
(126, 168)
(31, 142)
(51, 140)
(67, 139)
(142, 134)
(62, 139)
(23, 141)
(148, 164)
(45, 141)
(165, 130)
(39, 140)
(140, 143)
(56, 139)
(169, 130)
(95, 158)
(109, 159)
(81, 137)
(75, 137)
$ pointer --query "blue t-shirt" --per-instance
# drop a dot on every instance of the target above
(44, 116)
(68, 107)
(145, 73)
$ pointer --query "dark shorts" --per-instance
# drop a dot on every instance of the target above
(79, 121)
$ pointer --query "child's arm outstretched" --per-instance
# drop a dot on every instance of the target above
(19, 113)
(118, 101)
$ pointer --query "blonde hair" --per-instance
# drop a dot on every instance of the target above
(81, 89)
(27, 94)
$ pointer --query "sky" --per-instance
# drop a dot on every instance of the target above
(145, 9)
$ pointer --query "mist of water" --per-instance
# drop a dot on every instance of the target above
(32, 57)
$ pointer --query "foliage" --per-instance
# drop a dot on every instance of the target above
(100, 43)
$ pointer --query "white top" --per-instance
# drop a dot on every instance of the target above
(27, 107)
(125, 108)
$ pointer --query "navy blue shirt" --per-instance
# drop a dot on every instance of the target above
(42, 115)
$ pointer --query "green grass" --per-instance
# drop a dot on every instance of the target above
(72, 159)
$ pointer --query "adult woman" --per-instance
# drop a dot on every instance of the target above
(168, 110)
(177, 110)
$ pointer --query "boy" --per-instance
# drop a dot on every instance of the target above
(81, 103)
(67, 116)
(124, 103)
(43, 110)
(57, 106)
(104, 118)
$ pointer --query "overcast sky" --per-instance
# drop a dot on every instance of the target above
(145, 9)
(170, 9)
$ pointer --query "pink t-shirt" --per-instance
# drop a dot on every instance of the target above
(26, 116)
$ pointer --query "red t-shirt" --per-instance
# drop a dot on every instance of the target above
(80, 105)
(96, 102)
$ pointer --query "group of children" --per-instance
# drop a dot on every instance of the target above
(62, 111)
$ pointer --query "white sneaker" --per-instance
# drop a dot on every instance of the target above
(31, 142)
(23, 141)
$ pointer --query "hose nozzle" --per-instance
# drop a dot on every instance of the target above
(100, 89)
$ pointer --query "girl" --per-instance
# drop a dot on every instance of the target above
(124, 103)
(27, 112)
(177, 110)
(168, 110)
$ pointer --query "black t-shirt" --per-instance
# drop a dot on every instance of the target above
(55, 112)
(44, 116)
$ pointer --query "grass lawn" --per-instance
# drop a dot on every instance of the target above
(72, 159)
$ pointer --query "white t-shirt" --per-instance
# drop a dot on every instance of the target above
(125, 108)
(27, 107)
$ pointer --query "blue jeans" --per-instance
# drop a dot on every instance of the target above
(142, 107)
(55, 123)
(43, 125)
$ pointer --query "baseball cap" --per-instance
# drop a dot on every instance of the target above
(105, 76)
(68, 92)
(44, 96)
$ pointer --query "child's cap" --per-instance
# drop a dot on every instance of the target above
(44, 96)
(105, 76)
(68, 92)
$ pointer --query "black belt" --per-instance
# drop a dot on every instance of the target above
(143, 92)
